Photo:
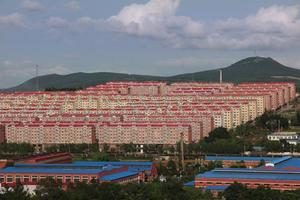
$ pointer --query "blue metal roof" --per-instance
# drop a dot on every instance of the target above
(280, 160)
(117, 176)
(251, 174)
(257, 170)
(190, 184)
(132, 163)
(132, 166)
(49, 171)
(70, 165)
(292, 162)
(216, 187)
(239, 158)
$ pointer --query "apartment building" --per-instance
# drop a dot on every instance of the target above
(138, 112)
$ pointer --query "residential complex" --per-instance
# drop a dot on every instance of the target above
(135, 112)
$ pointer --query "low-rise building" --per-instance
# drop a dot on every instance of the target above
(290, 137)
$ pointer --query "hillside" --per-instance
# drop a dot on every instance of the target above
(246, 70)
(78, 80)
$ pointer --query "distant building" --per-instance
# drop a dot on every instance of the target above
(290, 137)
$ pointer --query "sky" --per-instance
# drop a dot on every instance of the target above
(154, 37)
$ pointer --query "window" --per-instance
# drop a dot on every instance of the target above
(76, 178)
(34, 179)
(1, 179)
(68, 179)
(85, 179)
(59, 179)
(9, 179)
(26, 179)
(18, 178)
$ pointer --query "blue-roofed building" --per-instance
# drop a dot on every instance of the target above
(247, 161)
(122, 177)
(282, 173)
(119, 172)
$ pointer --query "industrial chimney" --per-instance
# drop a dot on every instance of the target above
(221, 76)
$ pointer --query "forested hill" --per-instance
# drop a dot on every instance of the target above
(246, 70)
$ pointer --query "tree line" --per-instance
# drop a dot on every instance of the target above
(49, 189)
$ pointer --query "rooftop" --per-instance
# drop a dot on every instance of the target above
(239, 158)
(117, 176)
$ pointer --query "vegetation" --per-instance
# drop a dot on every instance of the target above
(14, 148)
(238, 191)
(261, 69)
(48, 189)
(271, 121)
(72, 148)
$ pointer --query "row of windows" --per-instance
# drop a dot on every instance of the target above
(17, 178)
(248, 184)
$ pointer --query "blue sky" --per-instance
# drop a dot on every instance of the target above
(155, 37)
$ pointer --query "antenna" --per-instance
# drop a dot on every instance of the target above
(37, 78)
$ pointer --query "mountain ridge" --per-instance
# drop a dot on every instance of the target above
(250, 69)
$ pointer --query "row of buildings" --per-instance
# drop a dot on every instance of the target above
(138, 112)
(280, 173)
(59, 167)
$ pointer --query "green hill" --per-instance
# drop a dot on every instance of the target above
(247, 70)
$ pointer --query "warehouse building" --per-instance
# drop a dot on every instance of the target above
(278, 173)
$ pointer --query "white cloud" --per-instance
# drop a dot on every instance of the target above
(57, 23)
(272, 27)
(155, 19)
(73, 5)
(14, 19)
(32, 5)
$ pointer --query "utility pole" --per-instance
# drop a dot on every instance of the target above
(221, 76)
(37, 78)
(182, 151)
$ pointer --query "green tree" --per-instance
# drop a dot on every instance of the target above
(172, 168)
(217, 133)
(271, 121)
(235, 191)
(18, 192)
(48, 189)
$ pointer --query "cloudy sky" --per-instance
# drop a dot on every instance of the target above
(157, 37)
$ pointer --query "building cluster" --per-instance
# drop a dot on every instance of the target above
(30, 171)
(135, 112)
(280, 173)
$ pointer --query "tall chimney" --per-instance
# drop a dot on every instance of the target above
(221, 76)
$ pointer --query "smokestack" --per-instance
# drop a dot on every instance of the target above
(221, 76)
